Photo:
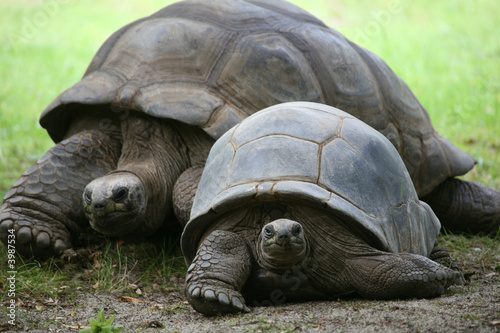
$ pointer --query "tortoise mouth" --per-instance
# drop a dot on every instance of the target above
(115, 223)
(274, 246)
(278, 256)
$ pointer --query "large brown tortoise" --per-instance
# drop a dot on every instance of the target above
(160, 91)
(304, 201)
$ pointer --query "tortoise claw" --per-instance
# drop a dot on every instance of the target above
(213, 298)
(196, 293)
(223, 299)
(60, 246)
(24, 235)
(43, 240)
(210, 295)
(5, 226)
(239, 305)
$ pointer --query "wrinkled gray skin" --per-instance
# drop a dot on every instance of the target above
(210, 64)
(286, 211)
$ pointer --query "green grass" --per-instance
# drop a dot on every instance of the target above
(109, 266)
(447, 51)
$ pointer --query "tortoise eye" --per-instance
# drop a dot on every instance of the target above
(87, 197)
(296, 230)
(269, 231)
(120, 195)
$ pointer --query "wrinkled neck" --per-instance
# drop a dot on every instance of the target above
(153, 151)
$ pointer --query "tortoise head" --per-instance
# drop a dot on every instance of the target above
(115, 204)
(282, 245)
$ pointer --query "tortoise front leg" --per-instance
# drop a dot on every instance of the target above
(218, 273)
(398, 275)
(44, 207)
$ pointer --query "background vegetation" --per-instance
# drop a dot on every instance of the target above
(447, 51)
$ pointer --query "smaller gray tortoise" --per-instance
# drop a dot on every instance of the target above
(303, 201)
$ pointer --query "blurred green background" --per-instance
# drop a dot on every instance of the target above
(447, 51)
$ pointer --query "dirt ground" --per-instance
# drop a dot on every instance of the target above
(474, 307)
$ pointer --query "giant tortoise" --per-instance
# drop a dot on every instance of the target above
(304, 201)
(160, 91)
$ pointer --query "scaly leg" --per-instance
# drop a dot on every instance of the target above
(184, 192)
(44, 207)
(398, 275)
(463, 206)
(218, 273)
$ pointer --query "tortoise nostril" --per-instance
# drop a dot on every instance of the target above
(99, 206)
(284, 238)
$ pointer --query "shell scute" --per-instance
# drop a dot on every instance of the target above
(274, 158)
(326, 126)
(345, 172)
(254, 60)
(384, 163)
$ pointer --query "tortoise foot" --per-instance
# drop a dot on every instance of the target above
(212, 297)
(32, 236)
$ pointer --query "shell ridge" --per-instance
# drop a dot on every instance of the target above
(344, 114)
(223, 58)
(202, 12)
(303, 15)
(316, 64)
(350, 202)
(320, 156)
(277, 135)
(235, 149)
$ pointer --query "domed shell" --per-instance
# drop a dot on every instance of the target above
(317, 155)
(213, 63)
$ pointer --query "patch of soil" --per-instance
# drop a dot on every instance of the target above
(474, 307)
(162, 307)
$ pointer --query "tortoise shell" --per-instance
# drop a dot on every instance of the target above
(213, 63)
(320, 156)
